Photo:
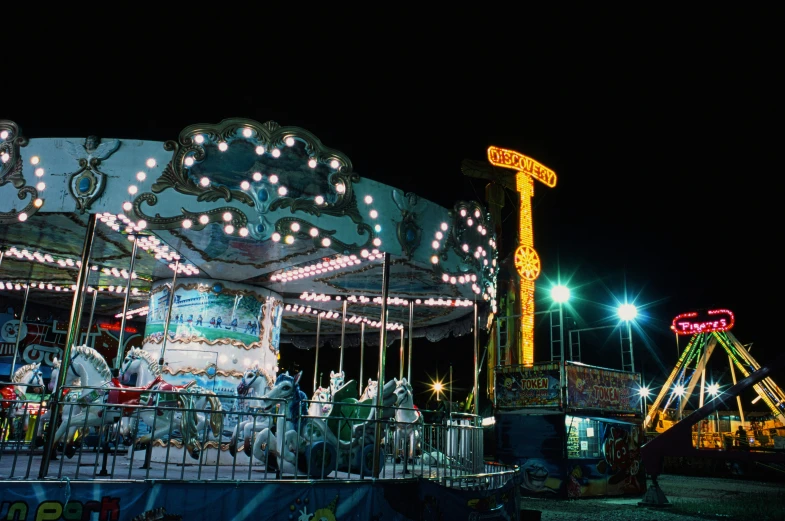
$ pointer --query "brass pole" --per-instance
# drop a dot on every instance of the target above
(377, 444)
(362, 355)
(476, 359)
(120, 347)
(19, 331)
(90, 321)
(316, 361)
(168, 315)
(400, 369)
(343, 335)
(411, 340)
(72, 336)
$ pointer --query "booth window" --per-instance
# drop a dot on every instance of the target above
(583, 437)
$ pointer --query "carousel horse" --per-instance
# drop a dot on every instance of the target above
(370, 390)
(254, 383)
(408, 420)
(320, 402)
(141, 370)
(336, 381)
(91, 369)
(14, 395)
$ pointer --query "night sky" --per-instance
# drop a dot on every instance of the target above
(662, 139)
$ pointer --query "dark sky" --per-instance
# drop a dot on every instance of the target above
(662, 135)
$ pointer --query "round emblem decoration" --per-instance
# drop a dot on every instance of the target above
(527, 262)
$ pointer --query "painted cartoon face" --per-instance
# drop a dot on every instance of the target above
(616, 449)
(508, 383)
(534, 475)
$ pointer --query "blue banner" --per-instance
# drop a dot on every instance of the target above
(240, 501)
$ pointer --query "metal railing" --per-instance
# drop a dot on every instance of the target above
(245, 439)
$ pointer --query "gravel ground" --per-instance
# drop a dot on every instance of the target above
(685, 488)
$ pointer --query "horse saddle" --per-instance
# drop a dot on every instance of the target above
(8, 395)
(128, 395)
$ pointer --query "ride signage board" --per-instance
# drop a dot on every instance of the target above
(516, 161)
(520, 386)
(602, 389)
(708, 322)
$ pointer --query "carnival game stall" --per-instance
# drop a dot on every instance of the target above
(199, 258)
(583, 444)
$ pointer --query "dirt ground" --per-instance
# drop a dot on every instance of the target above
(675, 487)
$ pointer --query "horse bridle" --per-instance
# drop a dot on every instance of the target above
(72, 367)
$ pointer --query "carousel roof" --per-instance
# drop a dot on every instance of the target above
(261, 204)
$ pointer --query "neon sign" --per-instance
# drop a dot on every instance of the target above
(692, 323)
(511, 159)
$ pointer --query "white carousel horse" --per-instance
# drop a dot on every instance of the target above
(336, 381)
(91, 369)
(370, 390)
(408, 420)
(141, 369)
(254, 383)
(13, 406)
(320, 402)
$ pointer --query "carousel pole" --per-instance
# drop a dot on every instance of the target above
(400, 372)
(74, 323)
(19, 331)
(377, 443)
(168, 314)
(2, 254)
(316, 362)
(476, 359)
(343, 335)
(362, 354)
(120, 346)
(411, 340)
(92, 313)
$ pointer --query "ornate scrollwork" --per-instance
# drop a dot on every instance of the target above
(407, 231)
(156, 222)
(284, 227)
(11, 169)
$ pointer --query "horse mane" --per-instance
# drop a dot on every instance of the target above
(298, 406)
(152, 363)
(259, 369)
(17, 377)
(96, 359)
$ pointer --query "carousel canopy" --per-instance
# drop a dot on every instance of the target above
(260, 204)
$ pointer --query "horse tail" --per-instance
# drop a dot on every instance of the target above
(215, 416)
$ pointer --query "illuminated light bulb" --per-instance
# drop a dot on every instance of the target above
(368, 199)
(453, 280)
(227, 216)
(479, 228)
(38, 202)
(4, 134)
(477, 213)
(39, 172)
(435, 245)
(276, 237)
(364, 254)
(282, 191)
(151, 163)
(5, 157)
(312, 163)
(439, 235)
(435, 259)
(245, 185)
(204, 219)
(463, 212)
(326, 242)
(295, 226)
(229, 229)
(289, 141)
(204, 181)
(222, 146)
(127, 206)
(259, 150)
(141, 176)
(445, 277)
(465, 247)
(314, 232)
(243, 232)
(40, 186)
(247, 132)
(334, 164)
(318, 199)
(374, 214)
(35, 160)
(377, 242)
(189, 161)
(132, 189)
(276, 152)
(469, 222)
(377, 228)
(289, 239)
(273, 179)
(187, 223)
(199, 138)
(340, 188)
(142, 224)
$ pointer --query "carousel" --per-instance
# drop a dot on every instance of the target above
(148, 290)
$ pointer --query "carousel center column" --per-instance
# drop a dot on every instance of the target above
(217, 331)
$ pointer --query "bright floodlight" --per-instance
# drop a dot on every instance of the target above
(644, 392)
(714, 389)
(679, 390)
(628, 312)
(560, 294)
(437, 386)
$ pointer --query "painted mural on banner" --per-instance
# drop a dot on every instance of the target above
(604, 389)
(519, 386)
(248, 501)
